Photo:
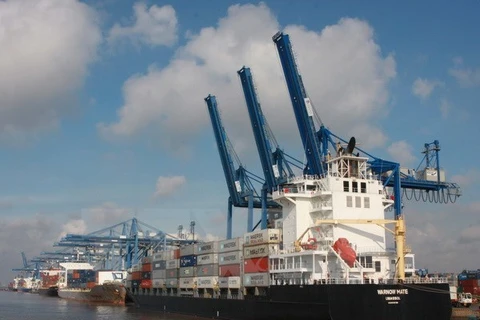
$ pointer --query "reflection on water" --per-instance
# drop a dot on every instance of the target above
(27, 306)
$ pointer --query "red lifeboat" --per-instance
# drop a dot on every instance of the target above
(345, 251)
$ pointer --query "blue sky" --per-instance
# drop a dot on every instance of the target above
(101, 101)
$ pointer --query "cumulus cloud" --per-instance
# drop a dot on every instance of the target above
(469, 178)
(343, 69)
(47, 46)
(152, 26)
(401, 152)
(465, 76)
(75, 226)
(108, 213)
(168, 185)
(423, 88)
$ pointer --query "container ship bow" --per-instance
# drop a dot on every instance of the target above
(326, 258)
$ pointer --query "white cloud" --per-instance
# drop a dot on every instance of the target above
(168, 185)
(47, 46)
(472, 176)
(75, 226)
(343, 69)
(423, 88)
(401, 152)
(466, 77)
(108, 213)
(153, 26)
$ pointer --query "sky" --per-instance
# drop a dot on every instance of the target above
(102, 116)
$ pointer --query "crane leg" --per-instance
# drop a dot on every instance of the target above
(229, 219)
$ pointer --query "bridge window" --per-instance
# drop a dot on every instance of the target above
(346, 186)
(349, 201)
(378, 266)
(366, 202)
(358, 202)
(363, 187)
(355, 186)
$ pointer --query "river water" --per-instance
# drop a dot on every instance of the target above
(27, 306)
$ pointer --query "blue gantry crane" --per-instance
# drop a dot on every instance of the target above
(31, 268)
(427, 183)
(242, 192)
(276, 165)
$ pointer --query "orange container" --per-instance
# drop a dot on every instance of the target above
(146, 284)
(137, 275)
(90, 285)
(176, 254)
(147, 267)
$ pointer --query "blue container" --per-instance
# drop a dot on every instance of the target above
(462, 276)
(188, 261)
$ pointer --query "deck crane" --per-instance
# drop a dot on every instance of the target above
(276, 164)
(316, 144)
(242, 192)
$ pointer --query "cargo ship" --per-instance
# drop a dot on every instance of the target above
(329, 256)
(49, 282)
(78, 281)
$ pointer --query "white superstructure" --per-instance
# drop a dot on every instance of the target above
(347, 192)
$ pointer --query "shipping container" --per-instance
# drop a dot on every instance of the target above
(128, 283)
(262, 236)
(234, 282)
(159, 265)
(231, 270)
(137, 275)
(187, 272)
(173, 264)
(159, 274)
(158, 283)
(147, 260)
(146, 284)
(172, 273)
(256, 280)
(136, 283)
(158, 256)
(187, 283)
(258, 251)
(171, 283)
(235, 244)
(207, 282)
(135, 268)
(176, 254)
(233, 257)
(146, 274)
(188, 261)
(206, 270)
(255, 265)
(222, 282)
(207, 259)
(462, 276)
(207, 247)
(187, 250)
(147, 267)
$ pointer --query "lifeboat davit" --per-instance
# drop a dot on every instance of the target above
(345, 251)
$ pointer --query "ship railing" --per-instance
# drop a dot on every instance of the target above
(296, 265)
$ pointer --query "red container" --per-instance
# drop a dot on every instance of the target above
(176, 254)
(147, 267)
(146, 284)
(255, 265)
(136, 275)
(231, 270)
(90, 285)
(468, 283)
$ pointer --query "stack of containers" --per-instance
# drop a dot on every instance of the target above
(469, 281)
(81, 278)
(206, 270)
(158, 270)
(136, 276)
(230, 259)
(257, 247)
(188, 261)
(172, 265)
(146, 271)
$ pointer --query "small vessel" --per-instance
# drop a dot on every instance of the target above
(78, 281)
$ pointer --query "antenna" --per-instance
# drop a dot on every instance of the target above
(192, 229)
(180, 231)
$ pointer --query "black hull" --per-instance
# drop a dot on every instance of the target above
(49, 292)
(319, 302)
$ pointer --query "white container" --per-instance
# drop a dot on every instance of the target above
(222, 282)
(256, 279)
(187, 250)
(158, 283)
(258, 251)
(230, 245)
(207, 247)
(158, 256)
(209, 258)
(206, 282)
(135, 268)
(172, 264)
(233, 257)
(187, 272)
(158, 274)
(128, 283)
(159, 265)
(187, 283)
(261, 237)
(171, 283)
(234, 282)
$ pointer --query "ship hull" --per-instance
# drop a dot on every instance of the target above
(49, 292)
(102, 294)
(319, 302)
